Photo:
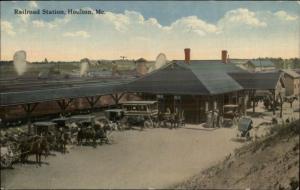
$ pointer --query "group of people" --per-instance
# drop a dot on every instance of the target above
(173, 119)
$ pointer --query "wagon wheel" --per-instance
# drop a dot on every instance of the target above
(15, 149)
(6, 161)
(17, 155)
(147, 124)
(123, 123)
(155, 123)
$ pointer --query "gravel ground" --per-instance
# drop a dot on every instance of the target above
(153, 158)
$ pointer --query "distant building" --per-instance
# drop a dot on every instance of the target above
(292, 82)
(141, 67)
(141, 60)
(257, 65)
(241, 63)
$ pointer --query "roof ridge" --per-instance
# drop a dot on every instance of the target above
(199, 81)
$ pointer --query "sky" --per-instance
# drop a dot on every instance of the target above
(145, 29)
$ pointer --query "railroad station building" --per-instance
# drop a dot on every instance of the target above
(193, 86)
(200, 86)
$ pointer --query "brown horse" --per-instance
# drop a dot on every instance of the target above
(101, 132)
(34, 146)
(52, 140)
(63, 139)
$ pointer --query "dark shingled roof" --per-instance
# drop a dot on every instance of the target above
(197, 78)
(257, 81)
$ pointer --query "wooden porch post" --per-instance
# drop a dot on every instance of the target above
(253, 101)
(29, 108)
(206, 109)
(212, 100)
(198, 110)
(246, 96)
(281, 104)
(274, 102)
(220, 108)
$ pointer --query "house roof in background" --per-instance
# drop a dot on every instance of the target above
(261, 63)
(257, 81)
(291, 73)
(141, 60)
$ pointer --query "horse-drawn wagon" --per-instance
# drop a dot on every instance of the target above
(43, 128)
(83, 120)
(175, 119)
(140, 113)
(113, 118)
(61, 122)
(90, 130)
(230, 115)
(230, 111)
(114, 115)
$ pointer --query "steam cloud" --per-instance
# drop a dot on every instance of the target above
(161, 60)
(85, 63)
(20, 62)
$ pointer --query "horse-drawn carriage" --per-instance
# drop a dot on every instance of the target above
(175, 119)
(19, 146)
(114, 115)
(140, 113)
(44, 128)
(113, 118)
(80, 119)
(230, 115)
(230, 111)
(65, 125)
(57, 133)
(90, 130)
(61, 122)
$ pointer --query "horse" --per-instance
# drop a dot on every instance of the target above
(63, 139)
(87, 134)
(34, 145)
(52, 140)
(101, 132)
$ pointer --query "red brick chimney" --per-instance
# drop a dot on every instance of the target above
(224, 56)
(187, 54)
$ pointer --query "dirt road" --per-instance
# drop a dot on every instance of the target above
(153, 158)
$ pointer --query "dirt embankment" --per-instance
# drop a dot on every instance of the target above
(269, 163)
